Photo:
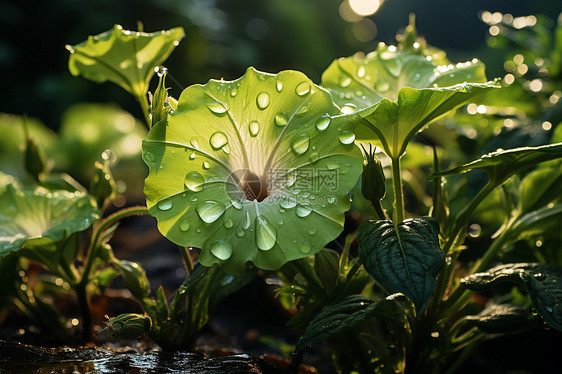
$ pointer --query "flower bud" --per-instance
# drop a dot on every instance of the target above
(34, 159)
(127, 326)
(373, 185)
(159, 103)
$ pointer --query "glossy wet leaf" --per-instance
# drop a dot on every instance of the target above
(399, 92)
(405, 258)
(503, 318)
(543, 220)
(540, 187)
(337, 318)
(38, 218)
(257, 169)
(502, 164)
(126, 58)
(542, 282)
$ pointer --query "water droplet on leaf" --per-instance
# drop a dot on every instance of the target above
(209, 211)
(302, 88)
(303, 210)
(262, 101)
(346, 137)
(206, 165)
(266, 234)
(149, 156)
(218, 140)
(184, 225)
(165, 205)
(217, 107)
(345, 81)
(288, 202)
(361, 72)
(300, 144)
(281, 119)
(221, 249)
(194, 181)
(254, 128)
(305, 247)
(323, 123)
(228, 223)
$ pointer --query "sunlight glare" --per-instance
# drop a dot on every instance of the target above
(364, 7)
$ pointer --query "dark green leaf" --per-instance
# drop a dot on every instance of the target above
(542, 220)
(135, 278)
(326, 266)
(540, 187)
(406, 258)
(543, 283)
(500, 165)
(503, 318)
(337, 318)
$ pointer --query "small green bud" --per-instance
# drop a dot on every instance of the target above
(159, 105)
(34, 159)
(373, 185)
(102, 186)
(326, 266)
(127, 326)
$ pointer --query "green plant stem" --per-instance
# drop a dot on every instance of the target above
(464, 216)
(187, 259)
(379, 210)
(460, 296)
(143, 102)
(398, 195)
(91, 255)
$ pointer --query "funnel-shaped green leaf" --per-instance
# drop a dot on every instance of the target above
(38, 218)
(405, 258)
(256, 169)
(126, 58)
(502, 164)
(399, 92)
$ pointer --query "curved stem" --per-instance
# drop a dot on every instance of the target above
(143, 102)
(398, 196)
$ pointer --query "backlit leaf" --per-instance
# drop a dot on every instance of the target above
(257, 169)
(124, 57)
(39, 218)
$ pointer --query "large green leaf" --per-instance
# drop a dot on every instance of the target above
(543, 283)
(126, 58)
(541, 187)
(405, 258)
(503, 318)
(502, 164)
(342, 316)
(257, 169)
(39, 218)
(538, 221)
(399, 92)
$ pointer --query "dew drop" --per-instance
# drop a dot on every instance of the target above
(149, 156)
(302, 110)
(346, 137)
(361, 72)
(234, 92)
(279, 86)
(184, 225)
(222, 249)
(280, 221)
(345, 168)
(348, 108)
(288, 202)
(209, 211)
(236, 203)
(240, 233)
(303, 210)
(305, 247)
(206, 165)
(254, 128)
(228, 223)
(218, 140)
(165, 205)
(247, 222)
(194, 142)
(194, 181)
(266, 234)
(217, 107)
(345, 81)
(323, 122)
(312, 232)
(302, 88)
(192, 156)
(281, 119)
(313, 157)
(332, 165)
(262, 101)
(300, 144)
